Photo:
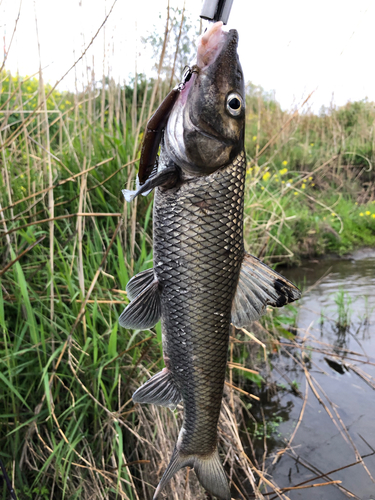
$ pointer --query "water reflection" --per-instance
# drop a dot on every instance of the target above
(338, 311)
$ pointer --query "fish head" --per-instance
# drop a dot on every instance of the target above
(206, 128)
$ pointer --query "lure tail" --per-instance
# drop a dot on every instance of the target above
(208, 469)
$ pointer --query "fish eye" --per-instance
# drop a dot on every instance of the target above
(234, 104)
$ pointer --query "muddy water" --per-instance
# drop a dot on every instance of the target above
(318, 442)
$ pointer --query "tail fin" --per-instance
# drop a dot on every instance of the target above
(211, 475)
(209, 471)
(176, 463)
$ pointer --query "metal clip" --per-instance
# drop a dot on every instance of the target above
(216, 10)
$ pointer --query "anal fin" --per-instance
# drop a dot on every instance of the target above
(144, 311)
(160, 390)
(259, 286)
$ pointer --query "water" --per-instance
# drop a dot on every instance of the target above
(318, 442)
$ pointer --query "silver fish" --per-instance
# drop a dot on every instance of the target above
(202, 280)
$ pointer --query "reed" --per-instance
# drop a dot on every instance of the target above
(69, 244)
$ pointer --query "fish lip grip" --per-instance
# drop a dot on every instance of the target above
(216, 10)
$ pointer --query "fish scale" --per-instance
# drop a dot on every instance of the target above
(198, 283)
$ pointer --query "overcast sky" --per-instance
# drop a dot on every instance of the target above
(291, 47)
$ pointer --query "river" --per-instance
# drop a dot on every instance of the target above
(337, 291)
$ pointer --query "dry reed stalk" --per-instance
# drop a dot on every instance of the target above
(102, 98)
(177, 45)
(135, 85)
(140, 121)
(162, 54)
(9, 244)
(231, 344)
(96, 301)
(7, 50)
(242, 391)
(80, 234)
(242, 368)
(48, 167)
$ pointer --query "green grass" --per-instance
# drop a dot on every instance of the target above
(68, 428)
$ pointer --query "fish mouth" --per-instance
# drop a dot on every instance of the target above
(212, 42)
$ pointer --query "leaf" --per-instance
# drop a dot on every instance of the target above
(286, 334)
(254, 377)
(14, 390)
(112, 344)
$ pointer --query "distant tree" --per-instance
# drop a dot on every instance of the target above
(179, 46)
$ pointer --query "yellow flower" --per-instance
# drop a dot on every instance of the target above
(312, 184)
(28, 88)
(282, 182)
(283, 171)
(310, 178)
(295, 193)
(68, 102)
(311, 144)
(356, 203)
(368, 212)
(284, 163)
(266, 176)
(23, 189)
(373, 216)
(303, 186)
(262, 187)
(254, 137)
(361, 214)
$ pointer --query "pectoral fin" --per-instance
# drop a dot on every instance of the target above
(144, 311)
(259, 286)
(160, 390)
(168, 178)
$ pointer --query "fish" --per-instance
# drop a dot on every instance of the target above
(202, 280)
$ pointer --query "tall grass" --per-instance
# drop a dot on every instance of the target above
(69, 244)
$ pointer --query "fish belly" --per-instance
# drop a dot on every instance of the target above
(198, 251)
